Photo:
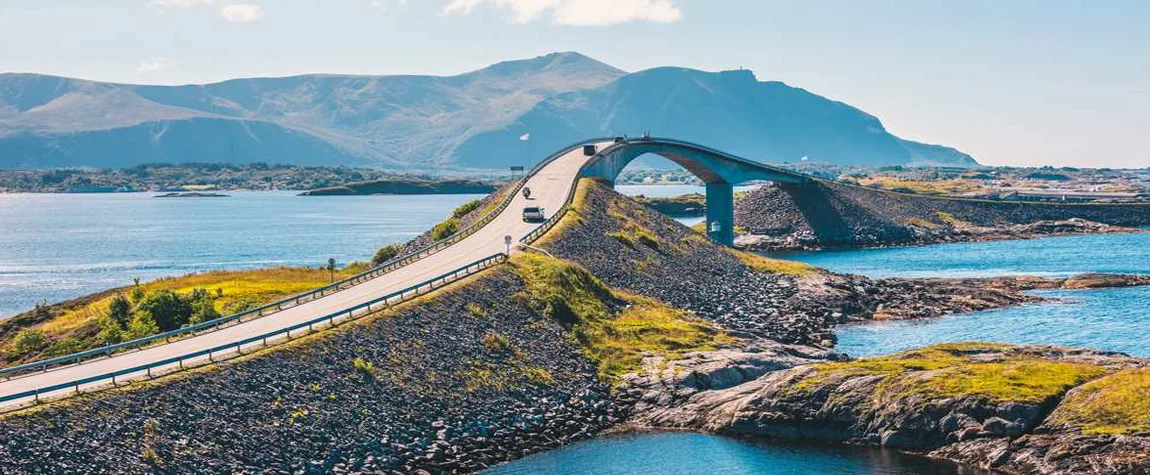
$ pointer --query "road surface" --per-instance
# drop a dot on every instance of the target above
(549, 189)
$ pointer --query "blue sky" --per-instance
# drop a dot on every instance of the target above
(1010, 82)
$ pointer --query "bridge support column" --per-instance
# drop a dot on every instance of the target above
(721, 213)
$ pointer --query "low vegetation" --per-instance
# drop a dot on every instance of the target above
(148, 308)
(950, 370)
(774, 266)
(1115, 404)
(465, 208)
(445, 229)
(386, 253)
(616, 329)
(191, 176)
(923, 187)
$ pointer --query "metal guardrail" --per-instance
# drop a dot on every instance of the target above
(386, 301)
(270, 308)
(248, 315)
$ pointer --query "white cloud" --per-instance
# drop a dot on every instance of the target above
(155, 63)
(241, 13)
(578, 12)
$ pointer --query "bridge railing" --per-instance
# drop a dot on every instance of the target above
(364, 308)
(294, 300)
(706, 149)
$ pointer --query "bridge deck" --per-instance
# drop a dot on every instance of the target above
(550, 188)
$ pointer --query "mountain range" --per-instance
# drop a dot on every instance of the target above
(469, 121)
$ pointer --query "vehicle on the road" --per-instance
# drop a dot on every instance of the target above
(527, 192)
(533, 214)
(589, 150)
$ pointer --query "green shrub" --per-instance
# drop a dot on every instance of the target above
(203, 307)
(363, 367)
(111, 331)
(386, 253)
(495, 341)
(64, 346)
(143, 324)
(30, 340)
(538, 376)
(167, 309)
(120, 309)
(466, 208)
(445, 229)
(476, 310)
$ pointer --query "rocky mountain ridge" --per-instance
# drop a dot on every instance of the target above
(468, 121)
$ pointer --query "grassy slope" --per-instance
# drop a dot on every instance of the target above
(237, 290)
(615, 328)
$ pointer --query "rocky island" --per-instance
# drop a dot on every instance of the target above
(834, 215)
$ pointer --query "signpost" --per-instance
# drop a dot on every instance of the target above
(514, 170)
(507, 241)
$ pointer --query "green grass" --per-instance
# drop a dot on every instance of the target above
(646, 327)
(951, 370)
(76, 327)
(921, 223)
(465, 208)
(445, 229)
(617, 342)
(773, 266)
(1115, 404)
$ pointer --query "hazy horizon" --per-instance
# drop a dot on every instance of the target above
(1056, 83)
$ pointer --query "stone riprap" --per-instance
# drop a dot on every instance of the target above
(415, 388)
(824, 214)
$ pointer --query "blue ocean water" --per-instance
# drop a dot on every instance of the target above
(690, 454)
(60, 246)
(1109, 319)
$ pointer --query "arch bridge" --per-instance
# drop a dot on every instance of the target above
(720, 171)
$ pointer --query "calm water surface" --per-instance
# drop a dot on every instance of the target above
(61, 246)
(689, 454)
(54, 247)
(1110, 319)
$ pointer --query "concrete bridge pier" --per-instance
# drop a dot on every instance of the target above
(721, 213)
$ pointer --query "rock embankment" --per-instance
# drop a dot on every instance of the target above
(781, 217)
(631, 247)
(456, 382)
(1019, 409)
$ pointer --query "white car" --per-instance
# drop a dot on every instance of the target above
(533, 214)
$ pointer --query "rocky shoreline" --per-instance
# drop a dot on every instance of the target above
(940, 401)
(497, 368)
(831, 215)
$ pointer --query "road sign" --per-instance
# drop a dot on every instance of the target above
(507, 241)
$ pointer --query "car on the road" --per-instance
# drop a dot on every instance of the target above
(533, 214)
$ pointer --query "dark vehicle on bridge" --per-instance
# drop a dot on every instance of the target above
(533, 214)
(589, 150)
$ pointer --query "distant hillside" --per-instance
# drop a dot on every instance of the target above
(394, 121)
(730, 110)
(472, 120)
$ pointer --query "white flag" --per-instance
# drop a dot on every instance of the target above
(525, 137)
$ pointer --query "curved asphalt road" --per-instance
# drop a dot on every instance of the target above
(550, 187)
